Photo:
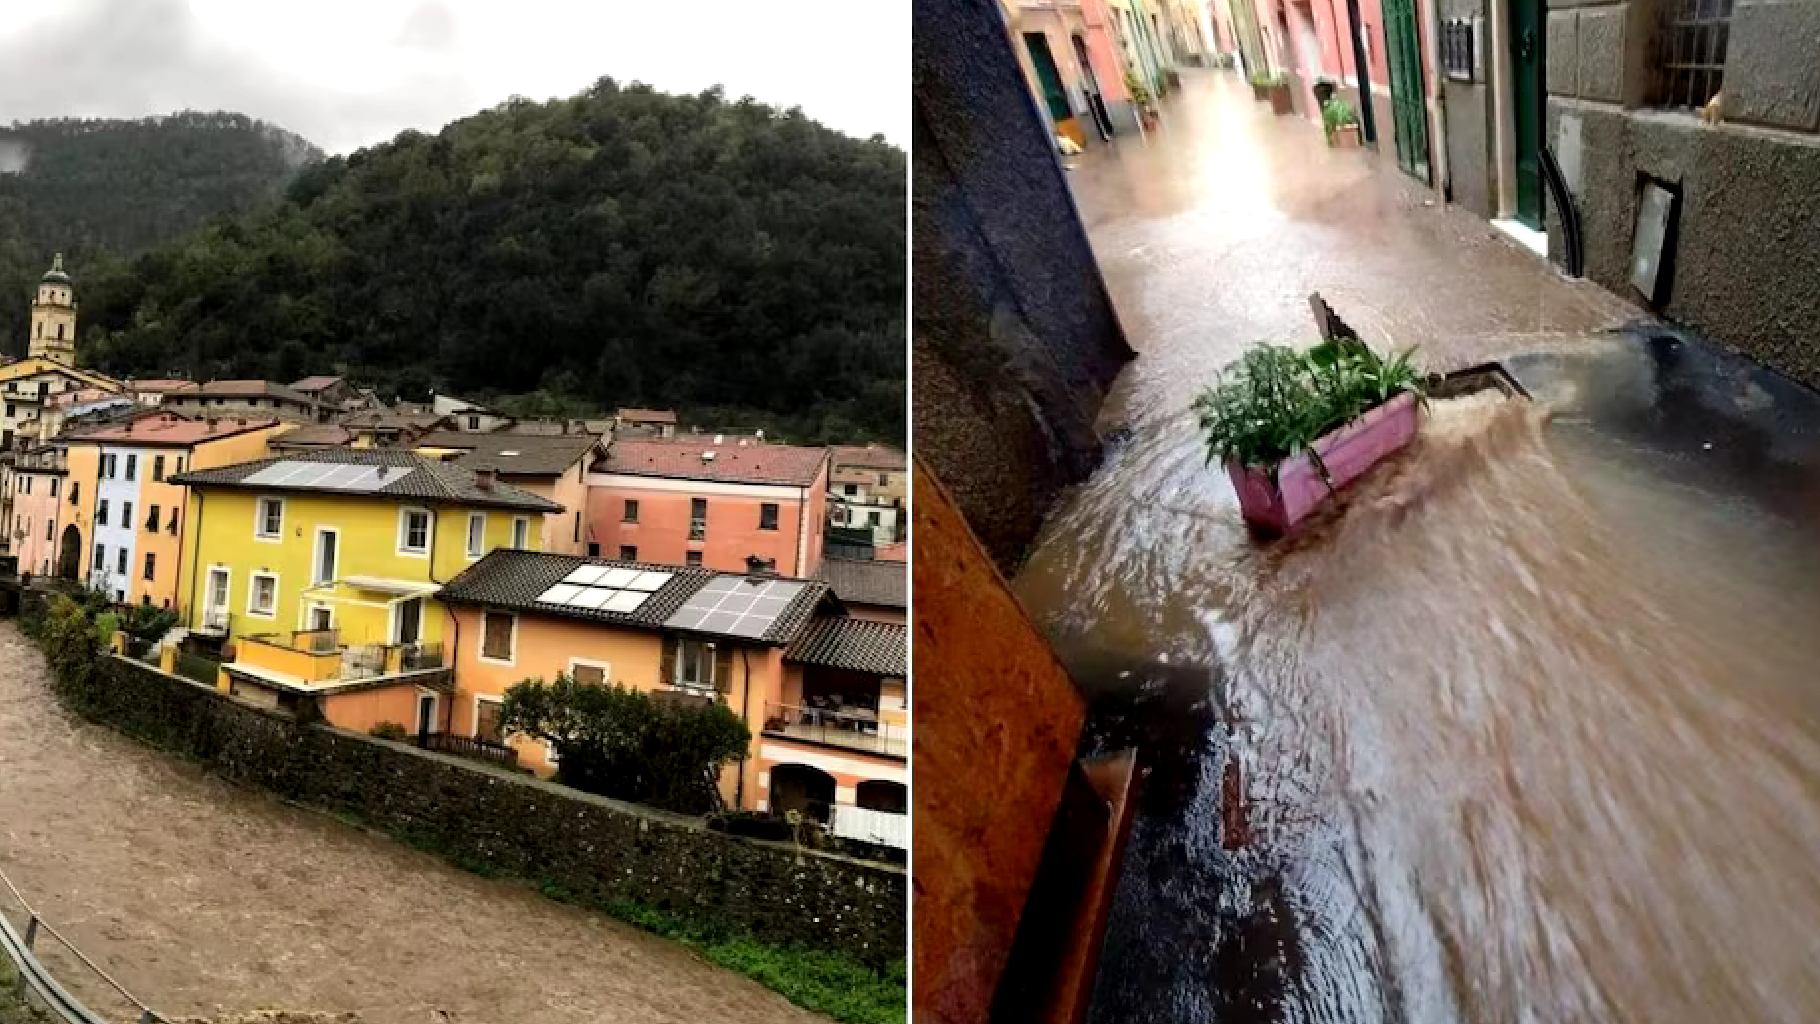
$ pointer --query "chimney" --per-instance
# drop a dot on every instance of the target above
(707, 457)
(760, 568)
(484, 478)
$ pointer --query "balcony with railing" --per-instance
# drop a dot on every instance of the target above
(854, 728)
(315, 658)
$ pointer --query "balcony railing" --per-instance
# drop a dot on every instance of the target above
(469, 746)
(853, 728)
(215, 620)
(318, 656)
(869, 826)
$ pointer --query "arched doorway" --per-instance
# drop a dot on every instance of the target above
(69, 556)
(879, 795)
(798, 787)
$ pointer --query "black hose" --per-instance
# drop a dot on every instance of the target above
(1570, 214)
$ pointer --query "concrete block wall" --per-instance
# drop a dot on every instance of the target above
(1600, 51)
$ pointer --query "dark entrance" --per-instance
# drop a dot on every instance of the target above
(1096, 104)
(1526, 99)
(798, 787)
(69, 555)
(1407, 103)
(1054, 96)
(879, 795)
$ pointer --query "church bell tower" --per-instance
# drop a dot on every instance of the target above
(54, 317)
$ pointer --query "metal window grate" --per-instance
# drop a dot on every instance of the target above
(1694, 35)
(1457, 49)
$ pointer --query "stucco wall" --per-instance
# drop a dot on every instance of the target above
(1014, 339)
(1470, 160)
(1749, 222)
(31, 512)
(661, 533)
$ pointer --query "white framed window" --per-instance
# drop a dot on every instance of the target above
(694, 665)
(498, 637)
(262, 595)
(268, 519)
(590, 672)
(521, 532)
(328, 554)
(413, 531)
(477, 533)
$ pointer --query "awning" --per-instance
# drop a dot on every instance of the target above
(398, 588)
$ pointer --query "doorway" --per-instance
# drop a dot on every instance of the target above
(1526, 65)
(69, 553)
(426, 713)
(1055, 97)
(408, 625)
(215, 598)
(1090, 83)
(1408, 104)
(801, 788)
(326, 541)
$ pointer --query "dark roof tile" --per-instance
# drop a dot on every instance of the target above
(858, 645)
(867, 581)
(425, 479)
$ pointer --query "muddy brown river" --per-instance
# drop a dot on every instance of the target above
(1529, 724)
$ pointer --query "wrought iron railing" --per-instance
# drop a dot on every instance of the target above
(469, 746)
(853, 728)
(23, 949)
(216, 620)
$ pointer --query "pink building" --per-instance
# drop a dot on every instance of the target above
(38, 511)
(710, 505)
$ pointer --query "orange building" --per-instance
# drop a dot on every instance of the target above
(553, 466)
(126, 517)
(715, 505)
(823, 692)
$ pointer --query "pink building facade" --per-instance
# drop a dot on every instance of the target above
(38, 511)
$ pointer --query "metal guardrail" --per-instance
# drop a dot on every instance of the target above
(60, 1003)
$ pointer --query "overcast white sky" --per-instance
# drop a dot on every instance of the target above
(349, 73)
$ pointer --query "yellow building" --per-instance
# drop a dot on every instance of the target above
(317, 569)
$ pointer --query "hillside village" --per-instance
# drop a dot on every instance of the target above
(403, 565)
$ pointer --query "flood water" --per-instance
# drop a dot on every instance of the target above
(1529, 723)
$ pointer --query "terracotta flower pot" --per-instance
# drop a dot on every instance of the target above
(1347, 452)
(1344, 137)
(1260, 92)
(1281, 102)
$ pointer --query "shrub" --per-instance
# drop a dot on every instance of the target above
(69, 642)
(1279, 402)
(147, 623)
(106, 625)
(389, 731)
(1268, 79)
(1337, 113)
(628, 744)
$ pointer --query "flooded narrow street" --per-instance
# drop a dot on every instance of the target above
(1529, 722)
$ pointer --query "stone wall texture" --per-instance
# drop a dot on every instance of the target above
(593, 851)
(1749, 228)
(1014, 338)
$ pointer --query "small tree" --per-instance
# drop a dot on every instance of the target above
(627, 744)
(69, 643)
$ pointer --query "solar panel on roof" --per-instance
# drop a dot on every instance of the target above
(648, 581)
(625, 601)
(592, 597)
(587, 574)
(561, 593)
(735, 606)
(618, 577)
(333, 476)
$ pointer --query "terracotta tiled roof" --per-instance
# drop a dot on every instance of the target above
(315, 435)
(872, 456)
(858, 645)
(515, 454)
(513, 580)
(867, 581)
(168, 429)
(311, 385)
(241, 389)
(422, 479)
(157, 385)
(755, 464)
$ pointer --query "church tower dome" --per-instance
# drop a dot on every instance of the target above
(54, 317)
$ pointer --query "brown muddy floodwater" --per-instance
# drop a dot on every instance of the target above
(1530, 725)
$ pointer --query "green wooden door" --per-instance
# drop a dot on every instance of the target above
(1526, 95)
(1404, 52)
(1047, 76)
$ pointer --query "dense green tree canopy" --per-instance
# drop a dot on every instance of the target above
(95, 189)
(621, 247)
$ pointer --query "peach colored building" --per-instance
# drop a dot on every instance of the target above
(822, 690)
(553, 466)
(713, 506)
(36, 483)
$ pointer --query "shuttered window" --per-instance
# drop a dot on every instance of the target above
(496, 636)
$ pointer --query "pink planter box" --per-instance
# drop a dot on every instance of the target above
(1348, 453)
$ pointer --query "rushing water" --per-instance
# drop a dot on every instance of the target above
(1529, 723)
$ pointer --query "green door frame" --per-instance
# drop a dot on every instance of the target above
(1408, 102)
(1048, 76)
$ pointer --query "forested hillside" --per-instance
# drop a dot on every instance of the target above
(99, 188)
(732, 260)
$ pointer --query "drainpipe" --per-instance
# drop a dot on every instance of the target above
(448, 712)
(745, 710)
(195, 570)
(1437, 108)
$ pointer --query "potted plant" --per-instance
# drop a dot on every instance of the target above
(1276, 88)
(1291, 427)
(1260, 85)
(1341, 123)
(1141, 96)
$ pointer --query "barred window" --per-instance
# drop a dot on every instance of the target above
(1694, 34)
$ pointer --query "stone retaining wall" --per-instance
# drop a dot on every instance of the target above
(590, 850)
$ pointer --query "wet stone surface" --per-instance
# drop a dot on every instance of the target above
(205, 899)
(1526, 717)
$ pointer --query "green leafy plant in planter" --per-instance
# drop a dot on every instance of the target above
(1268, 79)
(1338, 115)
(1279, 401)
